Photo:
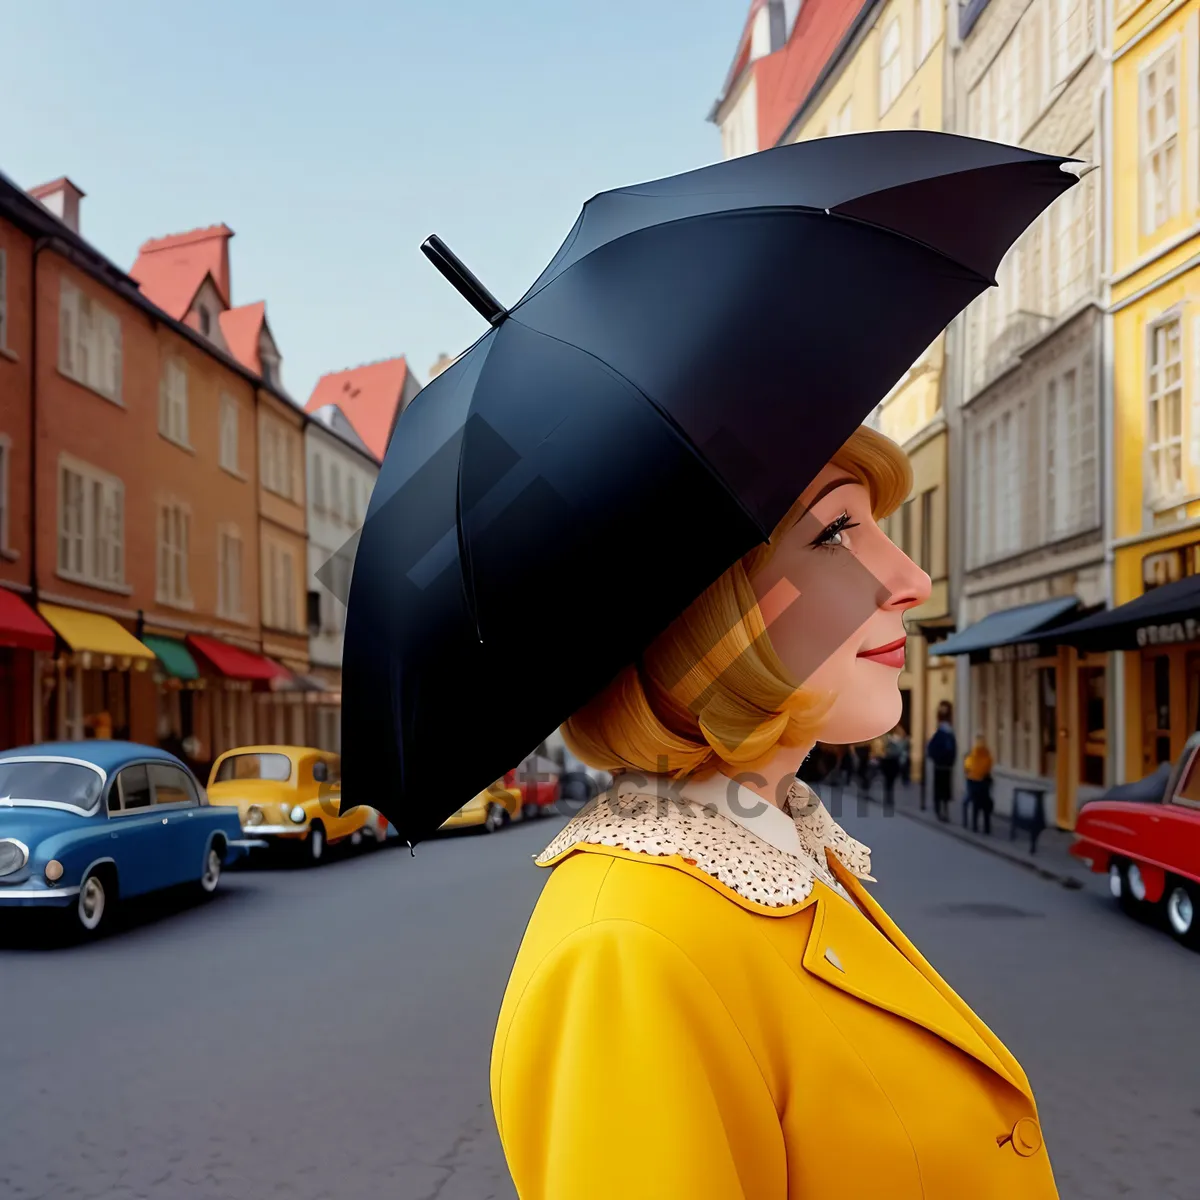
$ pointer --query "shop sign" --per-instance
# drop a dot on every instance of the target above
(1017, 652)
(1187, 630)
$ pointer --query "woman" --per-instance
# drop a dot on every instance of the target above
(978, 769)
(889, 766)
(707, 1002)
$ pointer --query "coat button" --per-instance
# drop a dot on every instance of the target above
(1026, 1137)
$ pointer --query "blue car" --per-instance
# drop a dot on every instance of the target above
(83, 824)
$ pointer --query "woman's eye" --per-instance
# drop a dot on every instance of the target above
(831, 535)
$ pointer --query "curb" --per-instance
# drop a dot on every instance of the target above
(950, 830)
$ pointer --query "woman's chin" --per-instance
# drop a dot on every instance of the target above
(861, 718)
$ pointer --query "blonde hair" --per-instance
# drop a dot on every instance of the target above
(711, 688)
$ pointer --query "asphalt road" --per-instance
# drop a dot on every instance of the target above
(326, 1034)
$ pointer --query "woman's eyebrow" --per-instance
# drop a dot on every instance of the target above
(831, 486)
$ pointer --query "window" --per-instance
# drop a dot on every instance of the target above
(274, 767)
(890, 80)
(174, 529)
(1159, 100)
(277, 463)
(171, 785)
(844, 121)
(205, 321)
(929, 20)
(288, 565)
(315, 623)
(925, 557)
(353, 514)
(173, 401)
(281, 589)
(1068, 36)
(89, 344)
(978, 494)
(229, 434)
(270, 370)
(1070, 225)
(229, 574)
(335, 490)
(133, 784)
(906, 527)
(91, 517)
(3, 299)
(318, 483)
(1164, 410)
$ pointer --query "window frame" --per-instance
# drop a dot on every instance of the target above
(890, 64)
(173, 415)
(82, 352)
(175, 516)
(230, 536)
(229, 435)
(1155, 494)
(89, 536)
(1148, 223)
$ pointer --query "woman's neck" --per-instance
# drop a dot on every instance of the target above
(772, 778)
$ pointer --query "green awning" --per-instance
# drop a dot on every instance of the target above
(174, 656)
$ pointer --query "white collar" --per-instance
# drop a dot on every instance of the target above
(747, 808)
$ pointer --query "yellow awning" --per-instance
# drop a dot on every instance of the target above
(93, 632)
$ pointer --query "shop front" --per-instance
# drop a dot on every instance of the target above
(24, 639)
(1040, 706)
(96, 683)
(182, 722)
(1158, 637)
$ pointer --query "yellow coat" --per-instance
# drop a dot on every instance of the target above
(663, 1037)
(978, 764)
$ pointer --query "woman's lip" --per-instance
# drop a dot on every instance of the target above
(879, 651)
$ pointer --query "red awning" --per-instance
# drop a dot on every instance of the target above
(234, 662)
(21, 626)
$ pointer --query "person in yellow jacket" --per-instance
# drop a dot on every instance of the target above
(708, 1003)
(978, 769)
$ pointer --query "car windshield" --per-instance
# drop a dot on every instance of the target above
(55, 782)
(277, 767)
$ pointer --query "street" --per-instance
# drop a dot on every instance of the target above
(312, 1034)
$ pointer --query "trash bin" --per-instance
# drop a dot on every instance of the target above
(1028, 814)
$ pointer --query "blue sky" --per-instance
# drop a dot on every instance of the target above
(333, 138)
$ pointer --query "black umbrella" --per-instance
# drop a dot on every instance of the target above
(693, 355)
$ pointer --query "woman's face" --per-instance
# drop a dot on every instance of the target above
(833, 596)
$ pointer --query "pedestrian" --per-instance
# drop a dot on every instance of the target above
(905, 743)
(889, 766)
(862, 754)
(942, 752)
(978, 769)
(646, 1000)
(100, 725)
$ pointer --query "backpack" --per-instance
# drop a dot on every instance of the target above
(943, 748)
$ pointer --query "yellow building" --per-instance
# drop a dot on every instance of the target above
(889, 75)
(1155, 306)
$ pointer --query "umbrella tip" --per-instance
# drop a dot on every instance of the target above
(1078, 167)
(411, 852)
(463, 280)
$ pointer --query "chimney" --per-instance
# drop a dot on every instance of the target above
(444, 360)
(62, 198)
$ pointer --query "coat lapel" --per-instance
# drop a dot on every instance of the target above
(844, 951)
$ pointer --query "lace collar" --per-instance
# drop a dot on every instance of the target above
(660, 817)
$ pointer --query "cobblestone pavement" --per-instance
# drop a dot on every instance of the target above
(326, 1034)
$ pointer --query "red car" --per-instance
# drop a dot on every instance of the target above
(1146, 836)
(538, 779)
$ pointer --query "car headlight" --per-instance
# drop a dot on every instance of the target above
(254, 815)
(297, 814)
(54, 870)
(13, 855)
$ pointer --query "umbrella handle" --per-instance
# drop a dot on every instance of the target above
(463, 280)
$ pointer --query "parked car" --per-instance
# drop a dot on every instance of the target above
(85, 824)
(1146, 836)
(488, 810)
(538, 779)
(288, 796)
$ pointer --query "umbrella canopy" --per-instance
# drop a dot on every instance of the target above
(691, 358)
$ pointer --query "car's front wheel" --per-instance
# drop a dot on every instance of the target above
(314, 844)
(92, 912)
(1181, 902)
(1127, 886)
(211, 874)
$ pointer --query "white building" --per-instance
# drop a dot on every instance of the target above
(341, 474)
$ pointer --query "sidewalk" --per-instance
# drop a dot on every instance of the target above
(1052, 861)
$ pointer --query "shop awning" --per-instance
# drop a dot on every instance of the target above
(1164, 615)
(94, 633)
(232, 661)
(297, 682)
(20, 626)
(174, 656)
(1025, 622)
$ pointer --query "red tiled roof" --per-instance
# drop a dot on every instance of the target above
(242, 327)
(369, 397)
(170, 270)
(786, 78)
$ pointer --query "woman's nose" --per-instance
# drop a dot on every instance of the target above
(907, 583)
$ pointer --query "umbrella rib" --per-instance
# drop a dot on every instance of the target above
(669, 420)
